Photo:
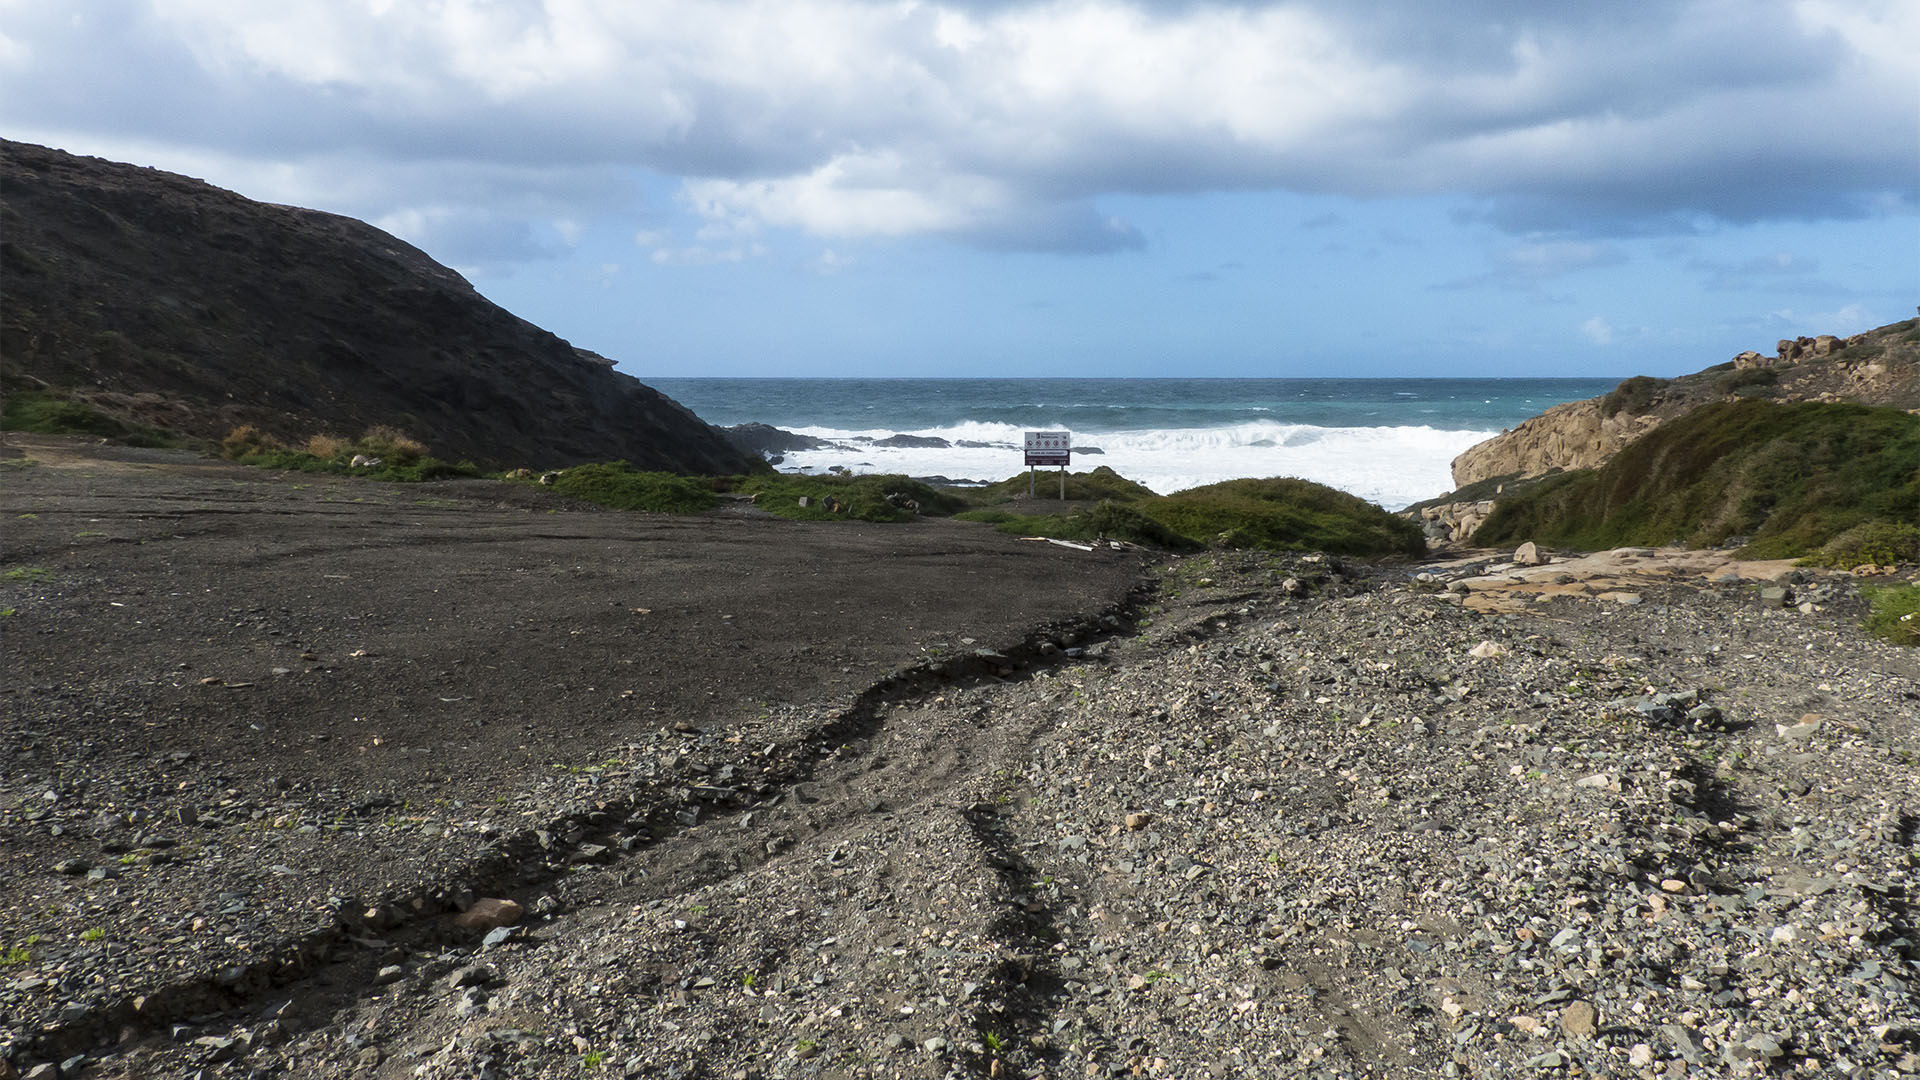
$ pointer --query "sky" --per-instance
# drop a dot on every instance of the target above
(1072, 188)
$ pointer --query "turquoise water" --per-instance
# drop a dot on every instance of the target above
(1388, 440)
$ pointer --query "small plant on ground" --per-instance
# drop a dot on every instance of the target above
(618, 486)
(28, 573)
(1895, 614)
(93, 933)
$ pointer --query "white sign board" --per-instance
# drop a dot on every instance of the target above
(1049, 448)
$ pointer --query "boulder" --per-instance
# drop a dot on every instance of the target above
(1528, 554)
(489, 914)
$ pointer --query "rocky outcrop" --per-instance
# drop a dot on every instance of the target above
(1879, 367)
(1576, 435)
(1454, 522)
(161, 299)
(769, 440)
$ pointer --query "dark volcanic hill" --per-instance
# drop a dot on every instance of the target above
(170, 302)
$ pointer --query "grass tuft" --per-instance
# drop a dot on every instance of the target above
(1895, 614)
(618, 486)
(44, 413)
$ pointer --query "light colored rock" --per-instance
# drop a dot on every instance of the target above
(1576, 435)
(1527, 554)
(489, 914)
(1580, 1019)
(1487, 650)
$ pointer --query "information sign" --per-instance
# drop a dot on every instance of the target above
(1049, 448)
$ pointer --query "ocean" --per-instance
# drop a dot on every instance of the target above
(1390, 441)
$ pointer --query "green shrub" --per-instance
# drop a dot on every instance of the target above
(1286, 514)
(1100, 483)
(1748, 382)
(1791, 476)
(1633, 396)
(1881, 543)
(618, 486)
(391, 444)
(861, 498)
(44, 413)
(1105, 520)
(1895, 614)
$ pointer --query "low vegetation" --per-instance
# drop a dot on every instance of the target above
(1634, 396)
(1285, 514)
(870, 497)
(1102, 521)
(385, 453)
(1895, 614)
(617, 486)
(1792, 479)
(1275, 514)
(43, 412)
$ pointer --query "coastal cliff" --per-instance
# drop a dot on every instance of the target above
(165, 302)
(1879, 367)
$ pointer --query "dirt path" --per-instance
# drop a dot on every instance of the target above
(254, 699)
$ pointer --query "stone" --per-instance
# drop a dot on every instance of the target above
(1487, 650)
(71, 867)
(1685, 1042)
(1807, 725)
(1580, 1019)
(1139, 820)
(392, 973)
(1775, 596)
(498, 936)
(474, 975)
(1528, 554)
(490, 914)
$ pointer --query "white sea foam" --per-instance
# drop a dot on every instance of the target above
(1392, 466)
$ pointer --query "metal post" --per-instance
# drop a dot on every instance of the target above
(1063, 483)
(1032, 471)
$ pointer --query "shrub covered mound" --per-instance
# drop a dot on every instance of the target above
(1285, 514)
(1101, 483)
(618, 486)
(1277, 514)
(1791, 477)
(861, 498)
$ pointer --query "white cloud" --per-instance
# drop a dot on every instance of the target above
(1001, 124)
(831, 262)
(1597, 331)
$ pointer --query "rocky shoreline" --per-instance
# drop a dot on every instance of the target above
(1228, 815)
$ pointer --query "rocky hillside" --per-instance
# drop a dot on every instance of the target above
(1879, 367)
(165, 301)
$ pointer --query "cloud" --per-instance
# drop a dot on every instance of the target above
(1778, 271)
(830, 262)
(1597, 331)
(999, 124)
(1528, 265)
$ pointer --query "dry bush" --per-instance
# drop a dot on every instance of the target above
(392, 444)
(328, 447)
(246, 440)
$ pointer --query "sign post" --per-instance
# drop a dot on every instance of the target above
(1048, 448)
